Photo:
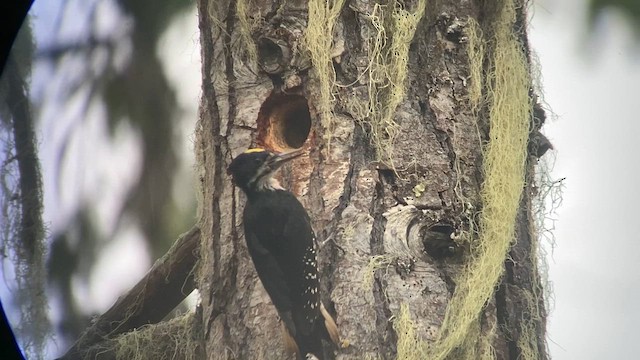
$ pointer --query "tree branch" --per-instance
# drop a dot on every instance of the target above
(168, 282)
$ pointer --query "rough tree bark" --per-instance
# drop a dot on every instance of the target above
(393, 180)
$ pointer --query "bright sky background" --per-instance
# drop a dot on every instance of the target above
(592, 85)
(591, 82)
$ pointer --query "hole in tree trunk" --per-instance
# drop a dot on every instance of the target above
(438, 242)
(270, 56)
(269, 51)
(284, 122)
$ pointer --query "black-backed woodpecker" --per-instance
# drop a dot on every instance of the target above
(283, 248)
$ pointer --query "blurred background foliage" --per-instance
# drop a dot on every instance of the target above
(99, 78)
(120, 68)
(630, 9)
(99, 62)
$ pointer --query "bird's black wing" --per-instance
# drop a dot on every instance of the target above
(269, 272)
(282, 245)
(304, 282)
(304, 279)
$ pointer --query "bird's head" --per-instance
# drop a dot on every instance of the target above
(253, 169)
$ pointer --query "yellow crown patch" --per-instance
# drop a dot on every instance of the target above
(254, 150)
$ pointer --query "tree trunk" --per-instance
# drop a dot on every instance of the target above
(416, 117)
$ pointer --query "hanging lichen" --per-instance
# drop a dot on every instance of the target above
(178, 338)
(409, 345)
(246, 25)
(392, 29)
(543, 202)
(23, 232)
(504, 170)
(376, 262)
(318, 39)
(475, 51)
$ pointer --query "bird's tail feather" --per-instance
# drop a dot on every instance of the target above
(330, 326)
(325, 328)
(289, 342)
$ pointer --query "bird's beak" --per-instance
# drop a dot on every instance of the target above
(277, 160)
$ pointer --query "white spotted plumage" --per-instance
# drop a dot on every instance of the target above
(283, 248)
(311, 293)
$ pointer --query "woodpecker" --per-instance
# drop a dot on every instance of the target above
(283, 248)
